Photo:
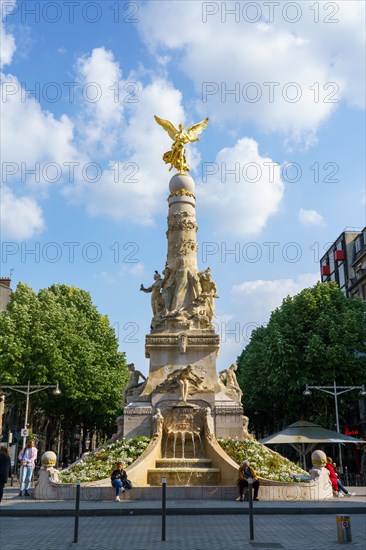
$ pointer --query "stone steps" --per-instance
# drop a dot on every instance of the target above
(188, 451)
(184, 476)
(183, 463)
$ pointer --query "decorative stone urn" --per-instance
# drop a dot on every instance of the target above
(320, 475)
(46, 487)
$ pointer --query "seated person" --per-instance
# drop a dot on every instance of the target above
(246, 472)
(118, 478)
(333, 476)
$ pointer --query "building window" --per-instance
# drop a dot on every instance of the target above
(358, 245)
(363, 292)
(341, 276)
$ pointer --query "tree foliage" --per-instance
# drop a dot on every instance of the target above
(315, 338)
(59, 336)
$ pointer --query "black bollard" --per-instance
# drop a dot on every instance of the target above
(163, 508)
(250, 497)
(77, 507)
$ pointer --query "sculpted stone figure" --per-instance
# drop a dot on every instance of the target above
(133, 381)
(208, 422)
(185, 379)
(246, 434)
(209, 291)
(187, 287)
(167, 289)
(156, 297)
(229, 376)
(158, 423)
(176, 157)
(183, 341)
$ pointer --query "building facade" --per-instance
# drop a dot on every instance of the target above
(345, 263)
(5, 293)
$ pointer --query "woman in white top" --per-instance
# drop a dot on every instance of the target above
(27, 457)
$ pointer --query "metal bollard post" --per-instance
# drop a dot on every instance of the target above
(20, 477)
(77, 508)
(163, 509)
(347, 480)
(250, 497)
(344, 529)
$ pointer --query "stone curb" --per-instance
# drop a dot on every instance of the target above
(180, 511)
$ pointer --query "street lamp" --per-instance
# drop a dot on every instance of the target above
(27, 391)
(333, 390)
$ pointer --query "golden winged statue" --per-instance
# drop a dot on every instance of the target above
(177, 155)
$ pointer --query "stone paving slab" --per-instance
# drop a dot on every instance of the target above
(13, 505)
(182, 533)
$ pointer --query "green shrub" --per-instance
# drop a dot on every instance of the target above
(267, 464)
(100, 464)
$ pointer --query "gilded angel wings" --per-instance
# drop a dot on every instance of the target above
(176, 157)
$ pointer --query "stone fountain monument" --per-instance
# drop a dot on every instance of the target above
(183, 405)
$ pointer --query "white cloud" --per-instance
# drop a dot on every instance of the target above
(137, 269)
(243, 201)
(260, 297)
(302, 60)
(251, 307)
(103, 94)
(310, 217)
(7, 40)
(42, 137)
(106, 277)
(134, 185)
(21, 217)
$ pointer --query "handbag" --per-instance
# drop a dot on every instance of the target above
(22, 460)
(127, 484)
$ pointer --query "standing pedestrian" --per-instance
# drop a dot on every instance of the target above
(363, 464)
(27, 457)
(5, 468)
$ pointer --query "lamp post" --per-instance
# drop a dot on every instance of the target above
(28, 390)
(334, 390)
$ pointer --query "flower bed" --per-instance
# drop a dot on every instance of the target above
(100, 464)
(267, 463)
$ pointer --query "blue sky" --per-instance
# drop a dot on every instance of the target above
(284, 87)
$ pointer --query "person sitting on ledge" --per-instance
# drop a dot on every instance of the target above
(118, 478)
(336, 484)
(246, 472)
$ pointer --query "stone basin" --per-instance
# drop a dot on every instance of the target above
(183, 462)
(184, 476)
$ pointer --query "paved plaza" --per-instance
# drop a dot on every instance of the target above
(182, 533)
(195, 525)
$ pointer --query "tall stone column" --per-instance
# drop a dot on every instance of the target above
(182, 345)
(182, 334)
(182, 225)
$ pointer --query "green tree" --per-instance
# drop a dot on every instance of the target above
(59, 336)
(314, 338)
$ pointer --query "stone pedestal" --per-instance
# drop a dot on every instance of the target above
(228, 418)
(171, 351)
(138, 420)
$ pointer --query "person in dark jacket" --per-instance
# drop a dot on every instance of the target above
(5, 469)
(246, 472)
(118, 478)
